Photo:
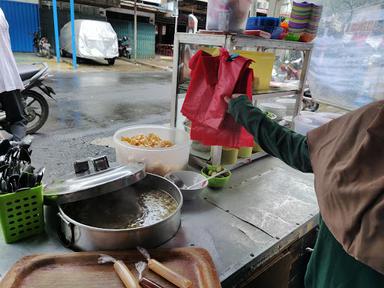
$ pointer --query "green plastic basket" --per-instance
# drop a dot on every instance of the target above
(21, 214)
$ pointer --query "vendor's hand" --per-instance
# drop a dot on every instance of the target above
(234, 96)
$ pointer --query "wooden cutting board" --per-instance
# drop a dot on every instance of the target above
(80, 269)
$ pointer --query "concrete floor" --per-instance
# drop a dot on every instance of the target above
(90, 107)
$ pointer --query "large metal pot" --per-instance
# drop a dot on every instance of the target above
(83, 237)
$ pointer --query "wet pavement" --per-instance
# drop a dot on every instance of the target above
(89, 66)
(90, 107)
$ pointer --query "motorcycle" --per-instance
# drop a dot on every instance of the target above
(292, 71)
(308, 103)
(124, 49)
(32, 97)
(42, 46)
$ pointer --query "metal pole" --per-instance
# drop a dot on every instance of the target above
(176, 13)
(303, 79)
(56, 28)
(274, 8)
(253, 8)
(175, 80)
(135, 30)
(74, 52)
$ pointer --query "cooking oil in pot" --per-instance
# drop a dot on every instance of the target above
(155, 206)
(125, 209)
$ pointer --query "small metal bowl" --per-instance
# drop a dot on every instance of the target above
(189, 178)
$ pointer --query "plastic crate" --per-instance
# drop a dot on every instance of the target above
(267, 24)
(21, 214)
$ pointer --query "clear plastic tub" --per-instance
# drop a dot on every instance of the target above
(278, 109)
(158, 160)
(308, 121)
(227, 16)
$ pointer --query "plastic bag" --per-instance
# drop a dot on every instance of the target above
(230, 135)
(213, 78)
(204, 70)
(232, 69)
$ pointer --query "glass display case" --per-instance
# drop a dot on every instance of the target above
(281, 72)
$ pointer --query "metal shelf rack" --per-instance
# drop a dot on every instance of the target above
(231, 42)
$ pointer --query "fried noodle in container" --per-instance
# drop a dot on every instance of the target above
(162, 149)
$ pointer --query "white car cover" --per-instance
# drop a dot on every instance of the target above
(94, 39)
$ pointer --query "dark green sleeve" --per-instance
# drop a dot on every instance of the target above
(278, 141)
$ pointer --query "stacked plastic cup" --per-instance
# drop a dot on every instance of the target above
(314, 21)
(299, 20)
(304, 21)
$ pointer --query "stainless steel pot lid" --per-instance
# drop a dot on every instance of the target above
(87, 184)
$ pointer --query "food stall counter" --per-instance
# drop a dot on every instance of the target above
(263, 219)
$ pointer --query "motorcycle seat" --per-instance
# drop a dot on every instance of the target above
(28, 71)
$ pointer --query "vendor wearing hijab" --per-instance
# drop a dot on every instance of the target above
(10, 84)
(347, 157)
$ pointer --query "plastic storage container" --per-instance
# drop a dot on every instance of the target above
(21, 214)
(290, 103)
(307, 121)
(245, 152)
(262, 66)
(256, 148)
(158, 160)
(278, 109)
(229, 156)
(267, 24)
(227, 16)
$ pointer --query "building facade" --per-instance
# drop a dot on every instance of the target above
(24, 20)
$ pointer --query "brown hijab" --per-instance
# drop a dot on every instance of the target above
(347, 157)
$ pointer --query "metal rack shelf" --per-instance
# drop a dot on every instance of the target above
(251, 41)
(241, 161)
(275, 92)
(239, 40)
(231, 42)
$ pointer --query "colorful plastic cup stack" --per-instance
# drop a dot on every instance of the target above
(313, 25)
(314, 21)
(304, 21)
(299, 20)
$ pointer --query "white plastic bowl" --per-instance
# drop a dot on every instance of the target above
(158, 160)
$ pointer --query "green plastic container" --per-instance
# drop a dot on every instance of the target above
(292, 37)
(21, 214)
(217, 182)
(229, 156)
(245, 152)
(256, 148)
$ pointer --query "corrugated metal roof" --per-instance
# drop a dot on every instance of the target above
(23, 19)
